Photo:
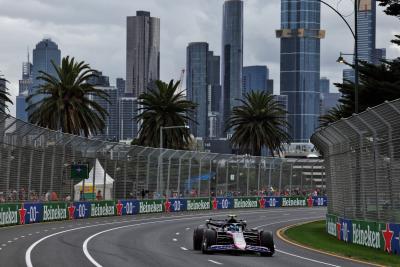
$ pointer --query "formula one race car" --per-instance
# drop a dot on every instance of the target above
(232, 236)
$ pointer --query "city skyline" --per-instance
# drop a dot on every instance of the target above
(204, 24)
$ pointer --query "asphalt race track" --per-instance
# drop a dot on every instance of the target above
(150, 240)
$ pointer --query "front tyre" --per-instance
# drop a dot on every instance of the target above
(267, 240)
(197, 238)
(209, 239)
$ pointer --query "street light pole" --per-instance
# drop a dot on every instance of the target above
(355, 36)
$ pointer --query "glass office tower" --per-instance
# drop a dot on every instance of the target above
(300, 36)
(142, 52)
(197, 86)
(232, 57)
(255, 78)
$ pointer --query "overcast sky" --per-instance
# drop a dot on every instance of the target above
(95, 31)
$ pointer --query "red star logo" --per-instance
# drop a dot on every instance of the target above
(215, 203)
(167, 205)
(22, 214)
(262, 203)
(338, 230)
(71, 211)
(119, 207)
(310, 201)
(388, 236)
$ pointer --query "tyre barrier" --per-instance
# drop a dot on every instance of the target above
(382, 236)
(28, 212)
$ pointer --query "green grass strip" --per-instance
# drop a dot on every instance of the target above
(315, 236)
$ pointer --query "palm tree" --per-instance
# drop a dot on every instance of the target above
(63, 103)
(260, 121)
(162, 107)
(4, 95)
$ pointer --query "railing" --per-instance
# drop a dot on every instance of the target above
(36, 166)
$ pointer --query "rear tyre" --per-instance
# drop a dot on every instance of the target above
(197, 238)
(267, 240)
(209, 239)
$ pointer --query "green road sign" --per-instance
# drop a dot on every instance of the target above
(79, 171)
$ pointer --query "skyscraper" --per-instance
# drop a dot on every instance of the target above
(300, 36)
(232, 57)
(142, 52)
(214, 94)
(111, 130)
(128, 110)
(45, 52)
(25, 86)
(255, 78)
(366, 21)
(120, 82)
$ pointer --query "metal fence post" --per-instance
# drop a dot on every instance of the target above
(167, 191)
(375, 153)
(201, 158)
(179, 173)
(280, 178)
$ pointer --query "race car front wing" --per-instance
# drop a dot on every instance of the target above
(233, 248)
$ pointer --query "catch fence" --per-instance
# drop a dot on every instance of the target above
(362, 158)
(36, 165)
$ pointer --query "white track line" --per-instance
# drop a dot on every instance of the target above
(28, 252)
(183, 248)
(308, 259)
(215, 262)
(294, 255)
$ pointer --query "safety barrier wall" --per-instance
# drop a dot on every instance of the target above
(28, 213)
(382, 236)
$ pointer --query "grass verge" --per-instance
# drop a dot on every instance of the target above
(314, 235)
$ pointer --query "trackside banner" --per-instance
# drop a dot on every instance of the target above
(36, 212)
(382, 236)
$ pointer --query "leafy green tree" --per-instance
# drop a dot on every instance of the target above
(4, 95)
(392, 9)
(164, 106)
(259, 122)
(63, 103)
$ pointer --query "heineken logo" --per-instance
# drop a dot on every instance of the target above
(98, 210)
(8, 216)
(331, 228)
(198, 205)
(366, 237)
(154, 207)
(240, 204)
(289, 202)
(54, 213)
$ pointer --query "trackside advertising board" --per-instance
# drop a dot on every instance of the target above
(382, 236)
(36, 212)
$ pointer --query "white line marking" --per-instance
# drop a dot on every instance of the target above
(22, 236)
(53, 228)
(183, 248)
(187, 229)
(9, 241)
(286, 214)
(29, 234)
(174, 239)
(16, 238)
(37, 232)
(0, 248)
(4, 245)
(215, 262)
(177, 233)
(308, 259)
